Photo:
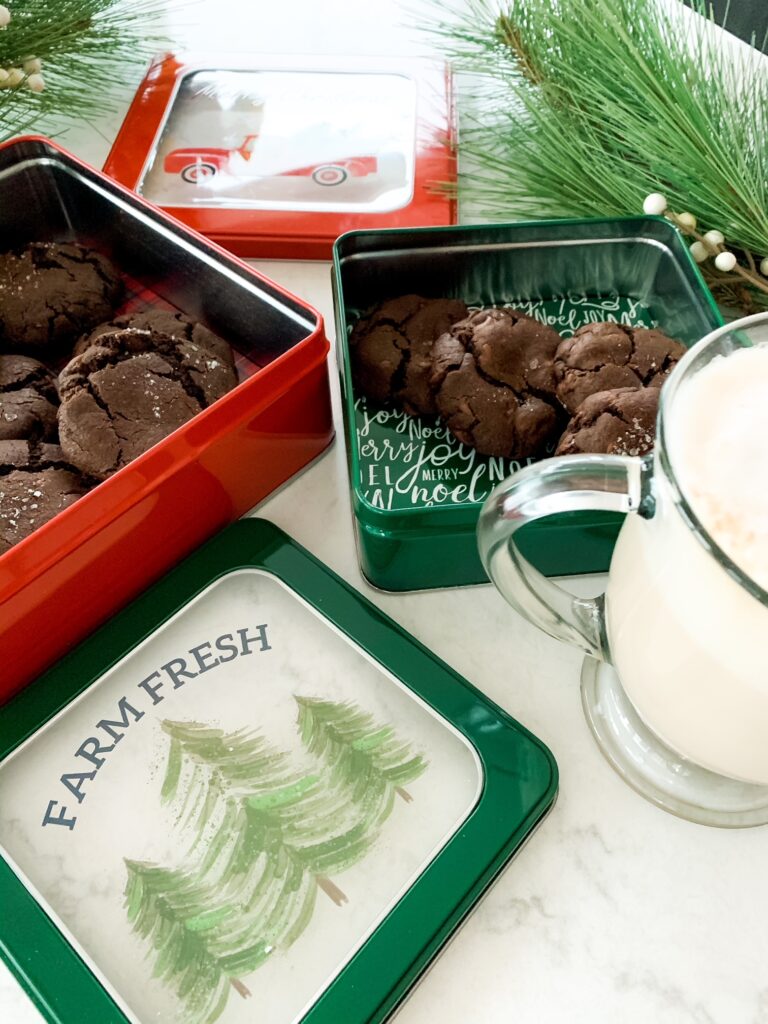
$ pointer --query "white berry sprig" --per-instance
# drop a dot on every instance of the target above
(29, 74)
(710, 245)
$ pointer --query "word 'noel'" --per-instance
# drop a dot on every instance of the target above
(107, 733)
(415, 462)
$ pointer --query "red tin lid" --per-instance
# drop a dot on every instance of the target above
(274, 160)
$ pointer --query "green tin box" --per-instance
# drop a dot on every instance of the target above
(417, 492)
(251, 798)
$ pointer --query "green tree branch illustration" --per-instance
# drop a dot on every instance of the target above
(173, 912)
(264, 836)
(362, 754)
(272, 812)
(205, 938)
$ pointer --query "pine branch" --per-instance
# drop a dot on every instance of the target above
(584, 107)
(88, 48)
(366, 756)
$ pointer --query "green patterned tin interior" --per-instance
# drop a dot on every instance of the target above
(414, 462)
(408, 475)
(235, 797)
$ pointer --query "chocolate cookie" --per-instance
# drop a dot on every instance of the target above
(28, 400)
(128, 391)
(618, 422)
(175, 324)
(494, 382)
(51, 292)
(36, 483)
(392, 350)
(603, 356)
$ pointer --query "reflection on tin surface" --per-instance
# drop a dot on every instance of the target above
(311, 140)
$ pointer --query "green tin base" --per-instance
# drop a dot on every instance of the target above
(417, 492)
(400, 563)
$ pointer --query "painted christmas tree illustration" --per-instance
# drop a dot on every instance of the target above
(204, 939)
(362, 754)
(271, 810)
(264, 832)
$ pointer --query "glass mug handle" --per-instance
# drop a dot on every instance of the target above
(570, 483)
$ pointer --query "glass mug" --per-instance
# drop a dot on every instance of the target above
(675, 685)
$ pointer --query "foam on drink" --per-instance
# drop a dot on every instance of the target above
(718, 442)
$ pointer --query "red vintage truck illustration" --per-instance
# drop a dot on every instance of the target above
(196, 166)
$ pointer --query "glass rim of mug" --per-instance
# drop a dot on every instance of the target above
(667, 397)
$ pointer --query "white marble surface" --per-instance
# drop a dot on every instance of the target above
(614, 911)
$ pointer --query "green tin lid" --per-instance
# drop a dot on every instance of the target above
(250, 797)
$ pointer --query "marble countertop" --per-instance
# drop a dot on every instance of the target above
(614, 910)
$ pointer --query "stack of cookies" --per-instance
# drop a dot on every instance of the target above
(508, 385)
(126, 382)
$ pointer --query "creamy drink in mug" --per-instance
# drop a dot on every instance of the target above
(683, 712)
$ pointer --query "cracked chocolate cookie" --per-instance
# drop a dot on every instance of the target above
(51, 292)
(128, 391)
(617, 422)
(194, 335)
(36, 483)
(392, 350)
(494, 382)
(28, 400)
(603, 356)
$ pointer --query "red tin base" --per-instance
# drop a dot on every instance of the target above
(45, 609)
(74, 572)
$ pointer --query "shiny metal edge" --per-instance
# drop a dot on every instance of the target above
(434, 250)
(196, 247)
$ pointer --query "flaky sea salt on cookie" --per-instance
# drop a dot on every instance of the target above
(36, 483)
(605, 356)
(128, 391)
(617, 422)
(50, 292)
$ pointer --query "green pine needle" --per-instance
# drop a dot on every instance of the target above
(88, 49)
(583, 107)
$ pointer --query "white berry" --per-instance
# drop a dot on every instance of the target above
(687, 220)
(714, 238)
(5, 16)
(725, 261)
(699, 252)
(655, 204)
(15, 76)
(36, 83)
(32, 65)
(764, 267)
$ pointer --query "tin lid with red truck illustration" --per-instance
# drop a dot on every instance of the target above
(274, 160)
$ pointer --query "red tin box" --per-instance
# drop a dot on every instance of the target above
(271, 160)
(77, 569)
